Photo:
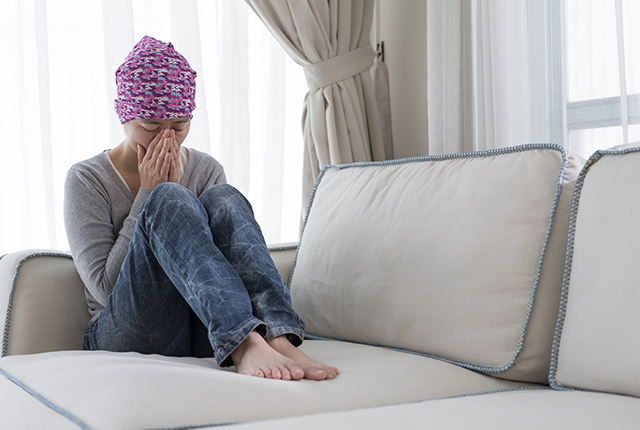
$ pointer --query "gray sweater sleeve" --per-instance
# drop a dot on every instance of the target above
(98, 250)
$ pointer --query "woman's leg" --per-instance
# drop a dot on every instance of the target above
(173, 266)
(238, 236)
(145, 313)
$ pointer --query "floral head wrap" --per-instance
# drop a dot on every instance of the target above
(155, 81)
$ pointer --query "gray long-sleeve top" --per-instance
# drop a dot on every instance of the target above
(100, 213)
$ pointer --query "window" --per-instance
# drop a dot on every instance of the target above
(602, 73)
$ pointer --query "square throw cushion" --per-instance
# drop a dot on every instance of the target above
(439, 255)
(597, 339)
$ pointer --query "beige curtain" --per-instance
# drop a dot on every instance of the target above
(331, 40)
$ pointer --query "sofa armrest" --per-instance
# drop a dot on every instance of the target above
(283, 255)
(42, 302)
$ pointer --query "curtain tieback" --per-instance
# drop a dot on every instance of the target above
(339, 68)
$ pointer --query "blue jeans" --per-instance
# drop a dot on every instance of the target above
(197, 279)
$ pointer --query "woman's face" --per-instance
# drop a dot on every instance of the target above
(143, 131)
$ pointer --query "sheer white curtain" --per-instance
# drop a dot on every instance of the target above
(488, 74)
(602, 73)
(58, 64)
(507, 72)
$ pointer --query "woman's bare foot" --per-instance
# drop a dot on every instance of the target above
(255, 357)
(312, 369)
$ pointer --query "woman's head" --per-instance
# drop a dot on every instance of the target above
(155, 82)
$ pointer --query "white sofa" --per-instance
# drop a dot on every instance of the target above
(471, 290)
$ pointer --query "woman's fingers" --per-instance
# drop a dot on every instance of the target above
(165, 167)
(153, 145)
(154, 163)
(174, 171)
(141, 154)
(158, 149)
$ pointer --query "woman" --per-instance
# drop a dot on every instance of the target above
(172, 258)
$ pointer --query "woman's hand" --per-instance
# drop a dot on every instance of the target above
(174, 151)
(154, 162)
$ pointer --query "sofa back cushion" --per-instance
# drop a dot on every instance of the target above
(597, 339)
(439, 255)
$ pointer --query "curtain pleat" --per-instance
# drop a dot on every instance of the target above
(624, 107)
(450, 75)
(185, 33)
(117, 21)
(42, 46)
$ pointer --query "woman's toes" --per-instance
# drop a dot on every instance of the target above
(276, 373)
(297, 373)
(316, 374)
(286, 375)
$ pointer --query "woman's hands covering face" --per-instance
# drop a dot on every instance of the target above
(160, 161)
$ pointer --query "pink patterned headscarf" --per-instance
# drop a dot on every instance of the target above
(155, 81)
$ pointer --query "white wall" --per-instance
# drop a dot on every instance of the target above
(401, 24)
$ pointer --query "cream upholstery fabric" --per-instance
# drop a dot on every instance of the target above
(596, 345)
(532, 363)
(521, 410)
(283, 256)
(43, 301)
(436, 255)
(104, 390)
(21, 411)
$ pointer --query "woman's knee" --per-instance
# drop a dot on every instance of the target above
(224, 195)
(170, 200)
(169, 193)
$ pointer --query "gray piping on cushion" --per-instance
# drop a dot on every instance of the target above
(462, 156)
(84, 426)
(45, 402)
(460, 396)
(7, 321)
(283, 248)
(568, 262)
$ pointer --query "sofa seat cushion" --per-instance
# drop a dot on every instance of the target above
(443, 255)
(522, 410)
(105, 390)
(597, 340)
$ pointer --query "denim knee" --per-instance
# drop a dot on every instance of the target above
(168, 200)
(167, 192)
(224, 195)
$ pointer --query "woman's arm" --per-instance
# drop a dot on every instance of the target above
(98, 250)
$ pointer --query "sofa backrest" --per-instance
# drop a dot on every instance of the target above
(597, 338)
(457, 257)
